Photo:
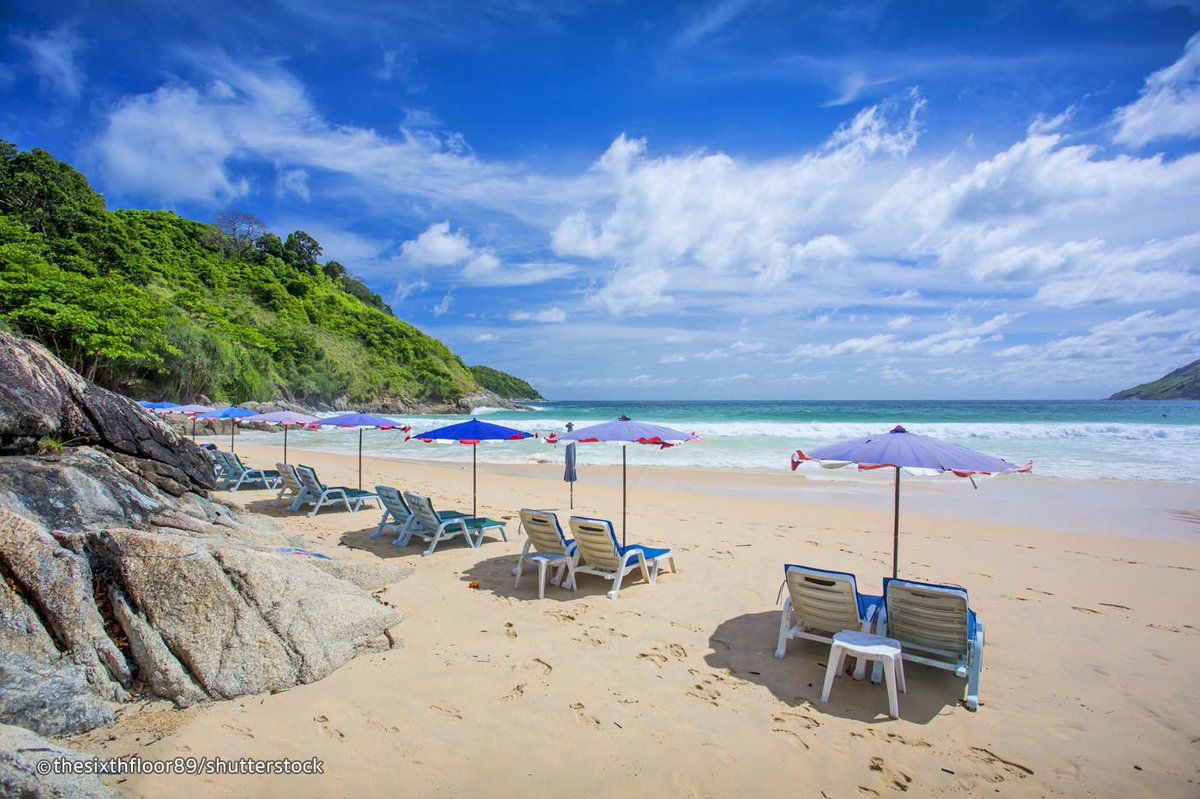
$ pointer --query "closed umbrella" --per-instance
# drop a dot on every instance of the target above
(362, 421)
(472, 433)
(626, 431)
(285, 419)
(570, 475)
(226, 413)
(900, 449)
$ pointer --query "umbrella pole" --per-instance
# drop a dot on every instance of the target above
(624, 489)
(896, 528)
(360, 459)
(285, 443)
(572, 495)
(474, 483)
(232, 432)
(193, 429)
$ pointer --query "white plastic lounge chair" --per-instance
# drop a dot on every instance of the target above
(317, 494)
(429, 525)
(936, 627)
(600, 554)
(240, 474)
(397, 510)
(820, 604)
(289, 482)
(545, 536)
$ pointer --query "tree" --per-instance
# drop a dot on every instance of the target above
(46, 194)
(334, 270)
(245, 230)
(270, 244)
(301, 251)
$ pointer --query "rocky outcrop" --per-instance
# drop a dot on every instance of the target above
(120, 577)
(20, 753)
(41, 397)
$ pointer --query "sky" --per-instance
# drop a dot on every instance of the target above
(729, 199)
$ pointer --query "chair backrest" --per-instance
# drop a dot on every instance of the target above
(308, 479)
(291, 481)
(422, 509)
(543, 530)
(393, 502)
(823, 600)
(597, 542)
(927, 616)
(235, 463)
(223, 459)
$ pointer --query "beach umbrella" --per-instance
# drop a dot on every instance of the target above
(157, 406)
(472, 433)
(626, 431)
(915, 454)
(570, 475)
(224, 413)
(285, 419)
(362, 421)
(188, 410)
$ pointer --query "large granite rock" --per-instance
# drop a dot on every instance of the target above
(48, 699)
(40, 397)
(20, 753)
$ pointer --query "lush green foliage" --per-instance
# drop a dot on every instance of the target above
(1183, 383)
(148, 303)
(503, 384)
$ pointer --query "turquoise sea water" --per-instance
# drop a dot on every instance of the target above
(1065, 439)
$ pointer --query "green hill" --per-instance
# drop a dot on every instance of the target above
(1183, 383)
(150, 304)
(504, 385)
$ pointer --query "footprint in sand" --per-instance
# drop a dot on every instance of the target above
(706, 691)
(792, 736)
(590, 720)
(508, 630)
(242, 731)
(1114, 605)
(515, 693)
(446, 711)
(1082, 609)
(897, 778)
(653, 657)
(1004, 768)
(801, 720)
(328, 731)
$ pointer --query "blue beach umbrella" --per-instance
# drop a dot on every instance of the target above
(285, 419)
(626, 431)
(472, 433)
(362, 421)
(570, 475)
(224, 413)
(157, 406)
(900, 449)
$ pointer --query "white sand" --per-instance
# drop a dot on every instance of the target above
(1090, 685)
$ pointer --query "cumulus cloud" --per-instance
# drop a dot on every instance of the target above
(437, 246)
(1169, 105)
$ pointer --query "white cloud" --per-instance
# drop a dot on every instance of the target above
(739, 378)
(437, 246)
(443, 307)
(666, 359)
(551, 316)
(485, 338)
(292, 181)
(1169, 105)
(898, 322)
(55, 59)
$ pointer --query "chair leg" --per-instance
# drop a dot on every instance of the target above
(517, 571)
(784, 627)
(837, 656)
(617, 580)
(889, 674)
(437, 536)
(541, 578)
(976, 668)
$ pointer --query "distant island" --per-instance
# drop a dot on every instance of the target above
(1183, 383)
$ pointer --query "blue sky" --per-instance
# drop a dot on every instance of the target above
(733, 199)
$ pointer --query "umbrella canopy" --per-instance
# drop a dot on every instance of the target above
(570, 475)
(225, 413)
(157, 406)
(285, 419)
(361, 421)
(472, 433)
(188, 410)
(916, 454)
(626, 431)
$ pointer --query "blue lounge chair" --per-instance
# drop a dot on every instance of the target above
(396, 513)
(238, 474)
(545, 537)
(821, 603)
(600, 554)
(935, 627)
(434, 527)
(314, 492)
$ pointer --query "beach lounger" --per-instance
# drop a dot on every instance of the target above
(397, 511)
(821, 603)
(600, 554)
(290, 486)
(545, 536)
(314, 492)
(429, 525)
(239, 474)
(936, 627)
(220, 468)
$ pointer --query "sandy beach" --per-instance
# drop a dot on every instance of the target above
(1089, 591)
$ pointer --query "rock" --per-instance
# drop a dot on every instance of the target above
(157, 666)
(367, 576)
(21, 632)
(40, 397)
(48, 699)
(20, 753)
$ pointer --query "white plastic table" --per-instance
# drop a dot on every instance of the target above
(867, 647)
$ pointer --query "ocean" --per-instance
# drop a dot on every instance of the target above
(1065, 439)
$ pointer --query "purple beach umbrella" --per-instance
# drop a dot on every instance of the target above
(225, 413)
(626, 431)
(900, 449)
(361, 421)
(285, 419)
(188, 410)
(472, 433)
